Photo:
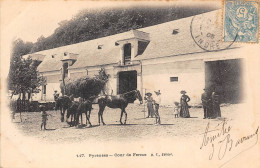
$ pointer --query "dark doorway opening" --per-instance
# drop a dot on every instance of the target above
(226, 78)
(127, 81)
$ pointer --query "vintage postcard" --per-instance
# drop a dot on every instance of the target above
(130, 84)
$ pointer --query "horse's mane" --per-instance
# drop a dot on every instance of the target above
(128, 93)
(130, 96)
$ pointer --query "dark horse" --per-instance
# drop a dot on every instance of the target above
(63, 103)
(84, 107)
(119, 101)
(72, 112)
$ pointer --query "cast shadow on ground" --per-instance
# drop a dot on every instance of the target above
(133, 124)
(16, 122)
(50, 129)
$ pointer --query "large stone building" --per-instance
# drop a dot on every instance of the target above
(163, 57)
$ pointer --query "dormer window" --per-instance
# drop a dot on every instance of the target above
(175, 31)
(100, 47)
(133, 44)
(127, 53)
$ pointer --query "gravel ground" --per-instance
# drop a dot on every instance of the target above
(137, 126)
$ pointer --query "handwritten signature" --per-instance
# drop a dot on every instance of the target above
(220, 141)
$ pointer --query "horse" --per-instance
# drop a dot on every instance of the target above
(84, 107)
(63, 103)
(72, 111)
(119, 101)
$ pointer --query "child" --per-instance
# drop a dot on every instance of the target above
(44, 116)
(176, 111)
(150, 108)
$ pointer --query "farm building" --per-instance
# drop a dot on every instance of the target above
(162, 57)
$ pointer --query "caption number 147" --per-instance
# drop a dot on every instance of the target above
(80, 155)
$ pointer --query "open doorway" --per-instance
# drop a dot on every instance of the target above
(226, 77)
(127, 81)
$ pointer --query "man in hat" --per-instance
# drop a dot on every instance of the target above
(205, 98)
(55, 95)
(157, 102)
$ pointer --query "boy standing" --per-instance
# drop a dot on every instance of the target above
(157, 102)
(44, 117)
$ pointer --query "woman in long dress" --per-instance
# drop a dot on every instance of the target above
(215, 105)
(184, 112)
(150, 108)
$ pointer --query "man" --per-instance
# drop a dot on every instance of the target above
(205, 98)
(157, 102)
(56, 96)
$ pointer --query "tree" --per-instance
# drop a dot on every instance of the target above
(23, 77)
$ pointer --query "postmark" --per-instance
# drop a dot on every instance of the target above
(206, 31)
(241, 18)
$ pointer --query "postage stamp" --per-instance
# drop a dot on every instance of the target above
(241, 21)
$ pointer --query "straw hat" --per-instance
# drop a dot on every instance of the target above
(157, 92)
(183, 92)
(148, 94)
(176, 103)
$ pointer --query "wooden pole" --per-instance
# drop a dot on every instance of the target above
(144, 102)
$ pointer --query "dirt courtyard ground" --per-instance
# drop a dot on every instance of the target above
(137, 126)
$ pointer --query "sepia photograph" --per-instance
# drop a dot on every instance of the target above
(130, 84)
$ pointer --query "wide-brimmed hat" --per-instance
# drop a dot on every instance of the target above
(183, 92)
(147, 94)
(157, 92)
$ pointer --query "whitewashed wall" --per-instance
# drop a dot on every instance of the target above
(191, 78)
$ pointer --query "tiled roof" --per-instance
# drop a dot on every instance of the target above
(163, 42)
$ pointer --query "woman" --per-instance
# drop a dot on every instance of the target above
(184, 112)
(215, 105)
(149, 100)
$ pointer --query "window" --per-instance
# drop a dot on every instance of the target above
(173, 79)
(175, 31)
(127, 53)
(100, 47)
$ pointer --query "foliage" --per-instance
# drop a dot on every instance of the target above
(86, 87)
(91, 24)
(23, 76)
